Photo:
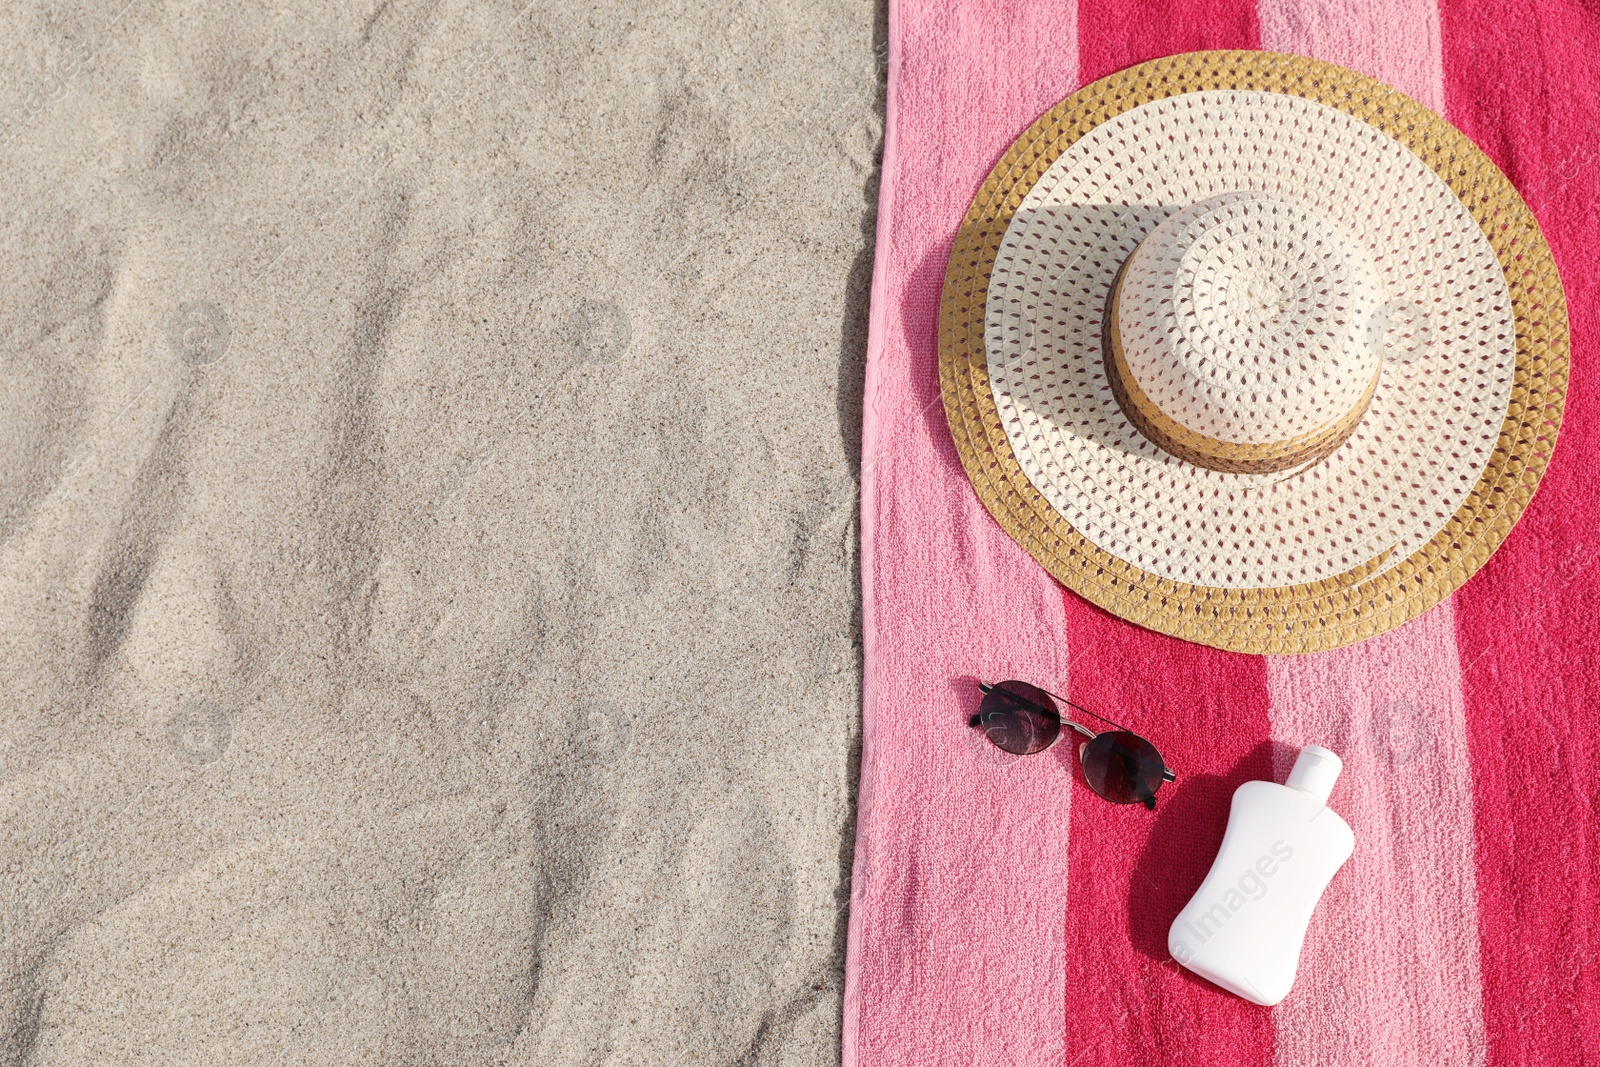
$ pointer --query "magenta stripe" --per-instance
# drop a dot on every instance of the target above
(1390, 970)
(1521, 78)
(958, 896)
(1128, 1002)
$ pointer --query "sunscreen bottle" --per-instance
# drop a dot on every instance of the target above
(1244, 928)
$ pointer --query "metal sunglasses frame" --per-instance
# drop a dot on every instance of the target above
(1167, 774)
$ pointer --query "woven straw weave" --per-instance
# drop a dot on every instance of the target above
(1378, 593)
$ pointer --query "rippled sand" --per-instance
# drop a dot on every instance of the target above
(428, 595)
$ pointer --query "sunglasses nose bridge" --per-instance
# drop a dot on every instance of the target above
(1079, 728)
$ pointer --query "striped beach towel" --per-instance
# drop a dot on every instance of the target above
(1001, 913)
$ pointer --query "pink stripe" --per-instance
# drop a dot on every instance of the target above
(1395, 40)
(957, 901)
(1389, 974)
(1521, 81)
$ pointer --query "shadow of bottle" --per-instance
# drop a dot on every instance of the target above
(1183, 842)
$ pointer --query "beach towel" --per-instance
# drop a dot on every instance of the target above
(1003, 914)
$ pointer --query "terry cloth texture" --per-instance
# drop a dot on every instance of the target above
(1002, 914)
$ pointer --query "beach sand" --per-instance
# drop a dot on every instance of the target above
(428, 603)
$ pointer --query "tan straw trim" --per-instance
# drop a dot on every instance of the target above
(1318, 615)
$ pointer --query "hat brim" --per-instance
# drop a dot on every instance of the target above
(1379, 593)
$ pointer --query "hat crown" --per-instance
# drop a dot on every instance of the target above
(1239, 333)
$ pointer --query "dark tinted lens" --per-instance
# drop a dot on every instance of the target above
(1013, 725)
(1122, 767)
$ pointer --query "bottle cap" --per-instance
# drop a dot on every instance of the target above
(1315, 771)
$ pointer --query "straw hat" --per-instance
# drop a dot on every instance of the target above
(1252, 350)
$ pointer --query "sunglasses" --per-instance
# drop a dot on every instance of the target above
(1118, 764)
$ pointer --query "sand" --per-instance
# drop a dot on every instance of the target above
(428, 602)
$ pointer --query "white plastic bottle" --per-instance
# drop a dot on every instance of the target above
(1244, 928)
